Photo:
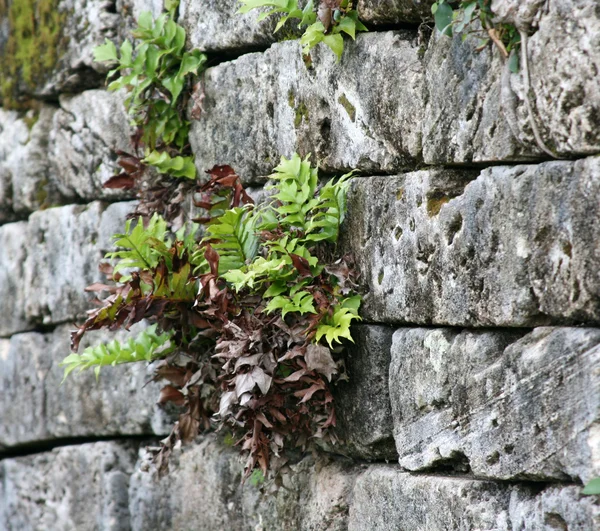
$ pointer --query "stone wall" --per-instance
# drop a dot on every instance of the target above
(474, 393)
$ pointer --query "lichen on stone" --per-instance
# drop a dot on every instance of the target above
(32, 49)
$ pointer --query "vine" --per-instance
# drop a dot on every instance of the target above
(249, 305)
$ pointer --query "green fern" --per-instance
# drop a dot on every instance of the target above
(338, 325)
(147, 346)
(141, 247)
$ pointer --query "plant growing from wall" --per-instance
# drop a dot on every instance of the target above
(325, 24)
(592, 488)
(156, 73)
(250, 316)
(475, 17)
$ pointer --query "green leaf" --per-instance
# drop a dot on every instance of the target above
(443, 19)
(248, 5)
(147, 346)
(593, 487)
(105, 52)
(336, 43)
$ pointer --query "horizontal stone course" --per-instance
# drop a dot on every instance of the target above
(497, 404)
(512, 246)
(83, 488)
(385, 498)
(69, 243)
(204, 492)
(261, 106)
(38, 407)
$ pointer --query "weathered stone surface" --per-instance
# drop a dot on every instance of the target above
(261, 106)
(25, 173)
(203, 491)
(514, 247)
(363, 408)
(74, 488)
(476, 110)
(503, 410)
(214, 25)
(86, 133)
(13, 250)
(36, 407)
(66, 245)
(385, 498)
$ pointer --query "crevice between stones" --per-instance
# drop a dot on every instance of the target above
(47, 445)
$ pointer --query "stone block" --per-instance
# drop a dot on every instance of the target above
(66, 245)
(37, 407)
(498, 406)
(385, 498)
(25, 173)
(381, 12)
(86, 132)
(476, 109)
(261, 106)
(204, 492)
(363, 408)
(13, 251)
(516, 246)
(81, 488)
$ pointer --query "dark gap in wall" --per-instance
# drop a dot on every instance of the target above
(38, 447)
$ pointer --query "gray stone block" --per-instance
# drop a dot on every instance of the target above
(86, 132)
(203, 491)
(73, 488)
(25, 173)
(37, 407)
(362, 404)
(66, 245)
(476, 110)
(517, 246)
(13, 251)
(261, 106)
(385, 498)
(500, 407)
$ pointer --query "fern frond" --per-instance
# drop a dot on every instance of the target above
(147, 346)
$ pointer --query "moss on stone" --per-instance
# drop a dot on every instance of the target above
(300, 108)
(33, 47)
(350, 109)
(435, 203)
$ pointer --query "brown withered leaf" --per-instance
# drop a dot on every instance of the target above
(318, 358)
(170, 394)
(245, 383)
(301, 264)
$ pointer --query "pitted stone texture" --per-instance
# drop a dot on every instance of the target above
(74, 488)
(37, 407)
(363, 408)
(13, 251)
(520, 13)
(25, 172)
(517, 246)
(86, 133)
(529, 409)
(66, 245)
(203, 491)
(385, 498)
(261, 106)
(476, 109)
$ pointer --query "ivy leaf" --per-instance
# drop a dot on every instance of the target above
(106, 52)
(443, 19)
(593, 487)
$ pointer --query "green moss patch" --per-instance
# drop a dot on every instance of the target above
(33, 47)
